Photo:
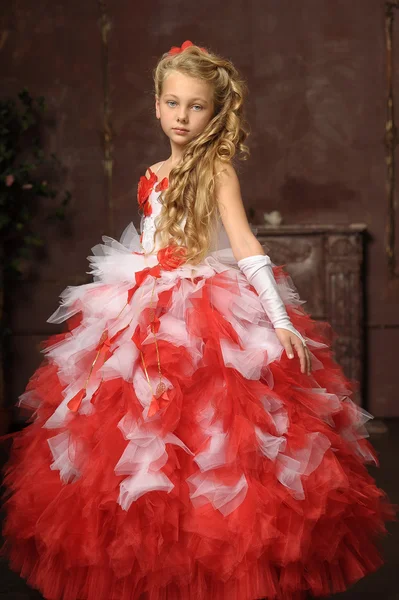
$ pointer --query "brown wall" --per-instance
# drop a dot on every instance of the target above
(316, 73)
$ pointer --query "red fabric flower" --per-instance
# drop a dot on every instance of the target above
(162, 185)
(144, 190)
(186, 44)
(171, 257)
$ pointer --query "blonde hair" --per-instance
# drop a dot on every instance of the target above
(191, 189)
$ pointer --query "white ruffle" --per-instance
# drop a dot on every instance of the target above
(215, 454)
(291, 468)
(64, 452)
(206, 488)
(148, 232)
(143, 459)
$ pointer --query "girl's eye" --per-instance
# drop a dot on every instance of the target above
(197, 107)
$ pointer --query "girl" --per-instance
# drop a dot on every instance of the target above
(191, 434)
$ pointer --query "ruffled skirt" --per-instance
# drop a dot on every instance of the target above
(174, 451)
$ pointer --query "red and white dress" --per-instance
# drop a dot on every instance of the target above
(175, 452)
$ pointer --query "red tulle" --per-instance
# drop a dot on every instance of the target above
(74, 541)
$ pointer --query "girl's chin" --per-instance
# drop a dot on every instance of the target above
(179, 140)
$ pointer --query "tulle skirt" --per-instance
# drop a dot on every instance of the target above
(174, 452)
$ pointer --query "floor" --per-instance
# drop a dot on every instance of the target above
(379, 585)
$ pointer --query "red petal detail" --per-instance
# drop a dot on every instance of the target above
(164, 400)
(94, 396)
(162, 185)
(155, 324)
(116, 335)
(155, 271)
(141, 275)
(102, 356)
(154, 407)
(136, 337)
(145, 187)
(76, 401)
(103, 338)
(159, 403)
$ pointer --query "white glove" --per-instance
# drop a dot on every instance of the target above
(259, 272)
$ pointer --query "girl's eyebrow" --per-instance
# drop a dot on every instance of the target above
(192, 99)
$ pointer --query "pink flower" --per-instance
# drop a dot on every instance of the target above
(10, 180)
(27, 186)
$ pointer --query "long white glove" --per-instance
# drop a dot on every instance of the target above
(259, 272)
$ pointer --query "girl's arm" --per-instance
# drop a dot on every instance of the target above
(255, 264)
(228, 194)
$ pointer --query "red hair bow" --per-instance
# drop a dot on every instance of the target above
(186, 44)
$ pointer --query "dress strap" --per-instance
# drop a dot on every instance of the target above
(159, 167)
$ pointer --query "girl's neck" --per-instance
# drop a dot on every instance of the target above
(176, 154)
(170, 163)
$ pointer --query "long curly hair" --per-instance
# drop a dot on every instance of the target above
(191, 190)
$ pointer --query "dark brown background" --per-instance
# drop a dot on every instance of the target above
(317, 108)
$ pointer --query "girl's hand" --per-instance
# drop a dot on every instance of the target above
(290, 341)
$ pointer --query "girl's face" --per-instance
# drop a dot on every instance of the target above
(185, 107)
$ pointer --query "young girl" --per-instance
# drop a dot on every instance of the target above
(191, 435)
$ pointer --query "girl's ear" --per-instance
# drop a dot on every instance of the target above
(157, 107)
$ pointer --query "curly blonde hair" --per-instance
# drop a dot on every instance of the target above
(191, 189)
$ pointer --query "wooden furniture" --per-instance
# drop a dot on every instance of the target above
(325, 263)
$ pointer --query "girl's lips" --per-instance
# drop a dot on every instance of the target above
(180, 130)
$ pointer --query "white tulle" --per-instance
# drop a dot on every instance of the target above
(290, 469)
(142, 460)
(206, 488)
(64, 451)
(214, 455)
(270, 445)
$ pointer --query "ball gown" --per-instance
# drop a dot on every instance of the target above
(174, 452)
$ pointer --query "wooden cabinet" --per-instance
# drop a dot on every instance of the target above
(326, 266)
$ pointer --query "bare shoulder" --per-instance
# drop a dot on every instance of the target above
(232, 211)
(153, 168)
(225, 173)
(227, 184)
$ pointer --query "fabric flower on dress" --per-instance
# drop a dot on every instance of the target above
(144, 190)
(162, 185)
(171, 257)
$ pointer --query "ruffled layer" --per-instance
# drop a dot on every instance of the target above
(241, 479)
